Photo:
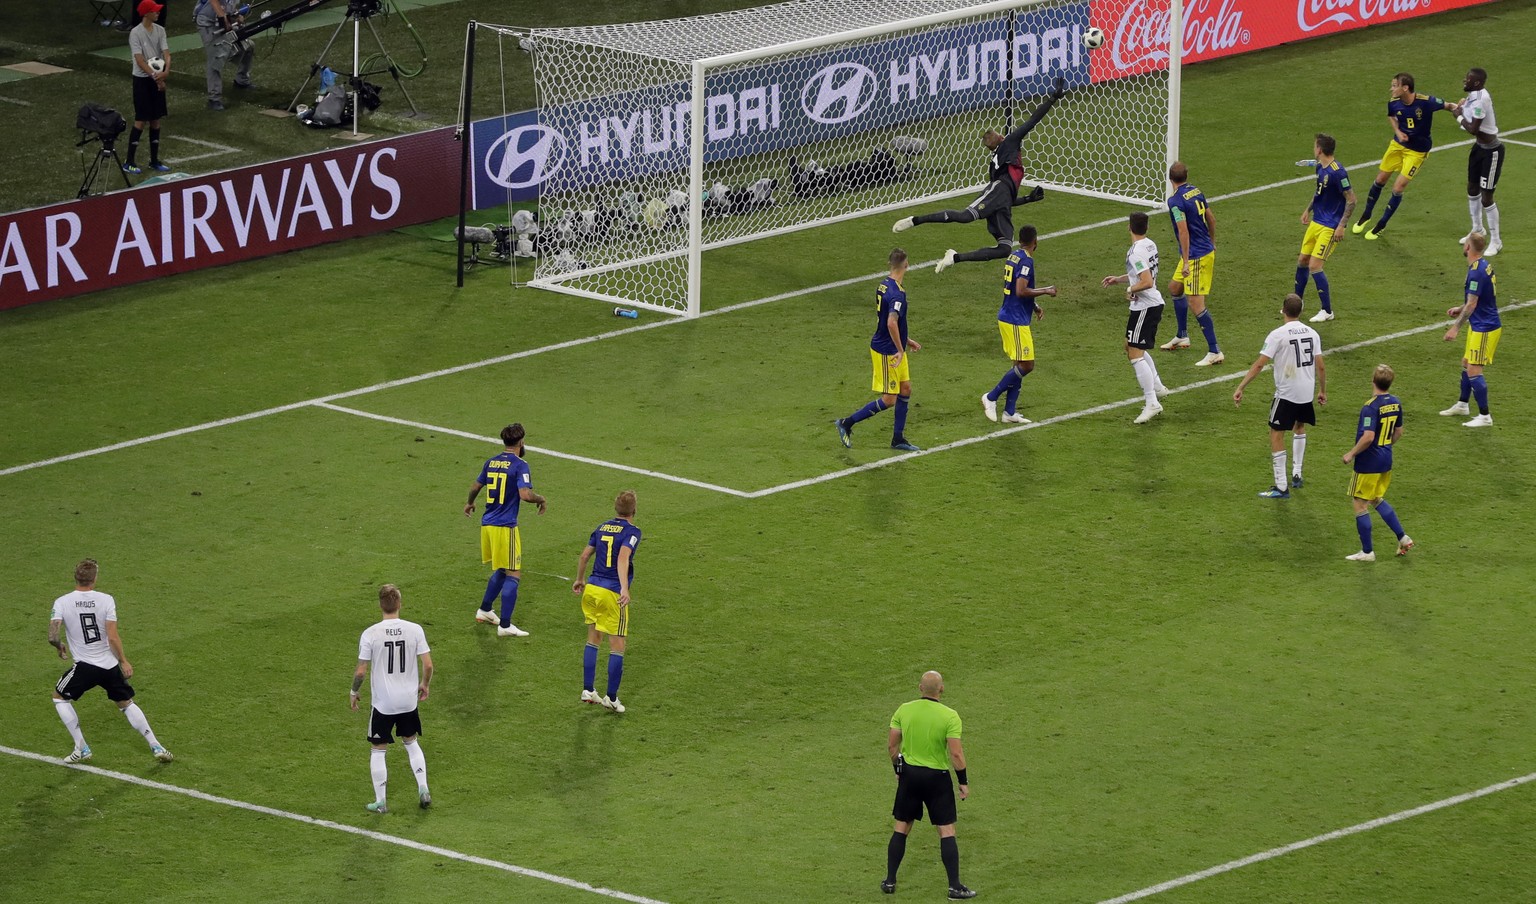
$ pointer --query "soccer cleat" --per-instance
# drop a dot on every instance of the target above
(1374, 234)
(1211, 358)
(903, 224)
(161, 754)
(1295, 481)
(1493, 249)
(426, 800)
(1359, 226)
(1276, 493)
(1467, 238)
(945, 262)
(159, 167)
(1362, 557)
(990, 407)
(1163, 392)
(611, 703)
(1174, 344)
(1482, 420)
(1404, 543)
(960, 893)
(888, 886)
(131, 170)
(1460, 408)
(487, 616)
(378, 807)
(590, 697)
(903, 445)
(216, 105)
(511, 631)
(1148, 412)
(1322, 317)
(79, 756)
(844, 433)
(1014, 418)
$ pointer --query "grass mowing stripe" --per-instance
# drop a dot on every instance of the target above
(542, 451)
(611, 334)
(1294, 846)
(337, 826)
(1097, 409)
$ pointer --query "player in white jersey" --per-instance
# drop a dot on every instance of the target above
(1297, 351)
(402, 676)
(1146, 303)
(1486, 160)
(89, 620)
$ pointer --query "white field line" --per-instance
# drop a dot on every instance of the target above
(1294, 846)
(1097, 409)
(611, 334)
(549, 452)
(336, 826)
(17, 101)
(1510, 140)
(218, 149)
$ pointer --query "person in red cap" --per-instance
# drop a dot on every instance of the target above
(151, 67)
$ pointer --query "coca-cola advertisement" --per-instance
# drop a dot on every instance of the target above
(1138, 30)
(173, 227)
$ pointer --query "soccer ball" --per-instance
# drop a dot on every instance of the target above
(1093, 38)
(156, 64)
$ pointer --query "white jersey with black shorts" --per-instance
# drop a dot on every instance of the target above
(1293, 348)
(84, 615)
(1486, 160)
(1146, 305)
(391, 648)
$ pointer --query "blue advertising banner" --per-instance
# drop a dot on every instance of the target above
(782, 104)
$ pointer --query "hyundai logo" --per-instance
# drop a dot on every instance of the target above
(838, 93)
(525, 156)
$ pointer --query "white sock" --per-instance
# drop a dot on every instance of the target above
(1157, 381)
(140, 724)
(418, 764)
(1475, 207)
(1492, 213)
(1146, 378)
(1277, 464)
(380, 774)
(1298, 452)
(71, 721)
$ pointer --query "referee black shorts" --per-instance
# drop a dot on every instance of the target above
(920, 787)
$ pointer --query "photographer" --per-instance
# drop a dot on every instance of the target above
(214, 19)
(148, 42)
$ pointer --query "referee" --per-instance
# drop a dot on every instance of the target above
(924, 741)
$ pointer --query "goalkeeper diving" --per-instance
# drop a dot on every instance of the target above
(996, 202)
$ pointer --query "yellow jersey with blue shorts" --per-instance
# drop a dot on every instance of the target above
(600, 599)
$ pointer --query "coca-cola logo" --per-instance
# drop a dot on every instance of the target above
(1314, 14)
(1142, 35)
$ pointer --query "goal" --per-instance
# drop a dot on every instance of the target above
(674, 137)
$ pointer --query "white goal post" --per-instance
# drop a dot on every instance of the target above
(675, 137)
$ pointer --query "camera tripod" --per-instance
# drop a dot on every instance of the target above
(107, 151)
(358, 12)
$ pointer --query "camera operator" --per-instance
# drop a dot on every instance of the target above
(148, 42)
(214, 19)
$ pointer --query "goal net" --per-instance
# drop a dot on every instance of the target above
(689, 134)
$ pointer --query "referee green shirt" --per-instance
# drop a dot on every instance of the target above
(926, 727)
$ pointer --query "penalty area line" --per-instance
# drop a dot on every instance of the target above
(1295, 846)
(1097, 409)
(598, 462)
(335, 826)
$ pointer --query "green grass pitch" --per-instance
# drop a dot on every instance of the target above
(1158, 671)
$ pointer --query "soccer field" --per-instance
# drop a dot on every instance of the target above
(1159, 672)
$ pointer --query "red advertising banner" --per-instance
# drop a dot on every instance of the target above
(1138, 30)
(174, 227)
